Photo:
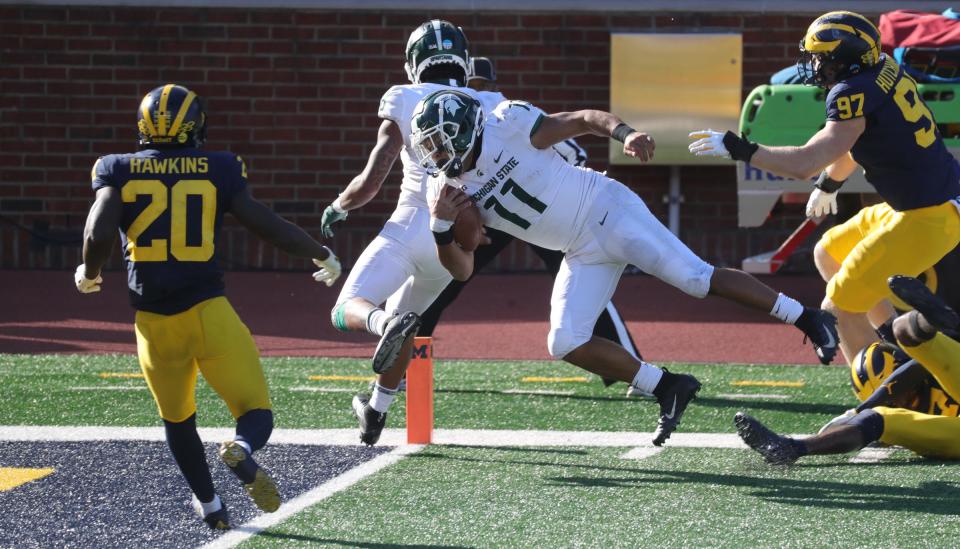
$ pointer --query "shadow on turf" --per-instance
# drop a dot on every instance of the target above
(707, 402)
(935, 498)
(349, 543)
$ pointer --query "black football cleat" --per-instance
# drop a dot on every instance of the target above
(821, 328)
(371, 421)
(673, 403)
(259, 486)
(216, 520)
(608, 381)
(775, 449)
(397, 331)
(915, 293)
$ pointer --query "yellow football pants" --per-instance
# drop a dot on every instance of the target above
(925, 434)
(879, 242)
(208, 337)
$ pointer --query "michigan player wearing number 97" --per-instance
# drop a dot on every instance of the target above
(167, 203)
(877, 119)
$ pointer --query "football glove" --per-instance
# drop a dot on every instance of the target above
(330, 216)
(330, 269)
(84, 284)
(821, 203)
(714, 143)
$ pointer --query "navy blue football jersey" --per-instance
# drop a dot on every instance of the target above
(901, 150)
(173, 206)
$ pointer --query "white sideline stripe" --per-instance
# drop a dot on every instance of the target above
(304, 389)
(755, 396)
(642, 452)
(873, 455)
(111, 388)
(390, 437)
(301, 502)
(536, 392)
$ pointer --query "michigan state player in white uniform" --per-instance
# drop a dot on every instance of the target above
(504, 163)
(398, 275)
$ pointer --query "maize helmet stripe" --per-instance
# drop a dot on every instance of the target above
(181, 113)
(812, 43)
(162, 115)
(857, 16)
(145, 113)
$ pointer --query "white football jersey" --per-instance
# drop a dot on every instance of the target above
(398, 104)
(530, 193)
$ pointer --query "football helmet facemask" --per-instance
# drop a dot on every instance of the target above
(446, 126)
(436, 42)
(837, 45)
(172, 116)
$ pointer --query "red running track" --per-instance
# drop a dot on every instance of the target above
(496, 317)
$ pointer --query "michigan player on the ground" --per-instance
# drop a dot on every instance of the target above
(398, 275)
(875, 119)
(915, 406)
(167, 203)
(525, 189)
(609, 325)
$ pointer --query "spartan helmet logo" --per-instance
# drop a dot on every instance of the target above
(451, 104)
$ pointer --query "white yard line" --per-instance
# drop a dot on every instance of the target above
(304, 389)
(642, 453)
(536, 392)
(754, 396)
(390, 437)
(873, 455)
(262, 522)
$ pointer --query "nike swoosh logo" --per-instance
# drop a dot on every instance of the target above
(672, 409)
(497, 159)
(604, 220)
(830, 340)
(479, 173)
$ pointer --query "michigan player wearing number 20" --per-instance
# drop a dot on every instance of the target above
(167, 203)
(875, 119)
(504, 162)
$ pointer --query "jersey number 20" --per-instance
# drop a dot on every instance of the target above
(176, 200)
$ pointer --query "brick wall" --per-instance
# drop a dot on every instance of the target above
(295, 92)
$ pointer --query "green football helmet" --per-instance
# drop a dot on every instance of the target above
(447, 125)
(436, 42)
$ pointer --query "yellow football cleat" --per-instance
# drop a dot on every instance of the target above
(259, 486)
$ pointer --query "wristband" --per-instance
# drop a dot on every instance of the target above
(337, 207)
(739, 147)
(444, 238)
(828, 185)
(440, 225)
(621, 132)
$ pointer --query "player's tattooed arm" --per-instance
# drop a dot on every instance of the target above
(825, 148)
(367, 183)
(101, 230)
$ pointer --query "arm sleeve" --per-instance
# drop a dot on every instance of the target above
(101, 175)
(521, 116)
(850, 100)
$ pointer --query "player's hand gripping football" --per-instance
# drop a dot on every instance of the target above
(448, 203)
(639, 145)
(86, 285)
(330, 268)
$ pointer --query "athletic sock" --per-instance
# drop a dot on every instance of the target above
(382, 398)
(787, 309)
(211, 506)
(799, 446)
(254, 428)
(187, 450)
(648, 377)
(377, 321)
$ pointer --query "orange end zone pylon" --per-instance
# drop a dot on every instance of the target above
(420, 392)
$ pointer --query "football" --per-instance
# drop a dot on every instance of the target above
(468, 228)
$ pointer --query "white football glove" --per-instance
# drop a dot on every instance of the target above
(330, 269)
(84, 284)
(839, 421)
(821, 203)
(708, 143)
